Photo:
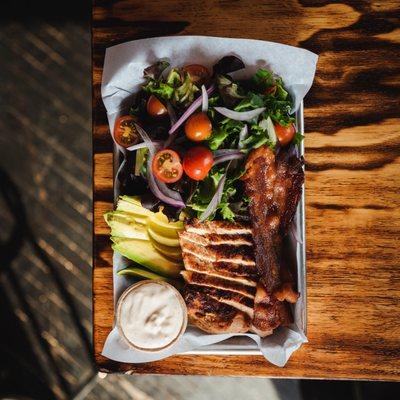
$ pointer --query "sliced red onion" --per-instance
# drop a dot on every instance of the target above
(240, 115)
(169, 192)
(142, 145)
(204, 99)
(116, 180)
(293, 231)
(228, 157)
(191, 109)
(161, 190)
(242, 136)
(224, 152)
(173, 119)
(146, 139)
(216, 199)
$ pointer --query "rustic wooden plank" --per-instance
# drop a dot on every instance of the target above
(352, 185)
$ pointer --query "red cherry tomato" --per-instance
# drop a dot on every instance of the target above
(167, 166)
(198, 162)
(198, 73)
(285, 133)
(198, 127)
(155, 108)
(125, 132)
(270, 90)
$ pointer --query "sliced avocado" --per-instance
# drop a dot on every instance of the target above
(144, 274)
(123, 226)
(132, 207)
(162, 219)
(143, 252)
(131, 216)
(169, 232)
(165, 240)
(172, 252)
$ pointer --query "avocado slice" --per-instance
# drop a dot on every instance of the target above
(165, 240)
(132, 206)
(175, 253)
(143, 252)
(142, 273)
(124, 226)
(130, 216)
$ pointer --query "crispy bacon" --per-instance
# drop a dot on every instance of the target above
(273, 183)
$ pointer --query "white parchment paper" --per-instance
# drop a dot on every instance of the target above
(122, 77)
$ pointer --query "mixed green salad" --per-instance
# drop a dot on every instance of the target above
(188, 132)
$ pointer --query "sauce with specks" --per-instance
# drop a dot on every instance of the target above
(151, 315)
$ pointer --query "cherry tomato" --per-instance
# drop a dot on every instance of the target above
(167, 166)
(198, 162)
(270, 90)
(285, 133)
(198, 127)
(198, 73)
(125, 132)
(155, 108)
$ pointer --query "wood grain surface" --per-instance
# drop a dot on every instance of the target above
(352, 125)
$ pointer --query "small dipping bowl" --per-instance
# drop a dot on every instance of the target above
(151, 315)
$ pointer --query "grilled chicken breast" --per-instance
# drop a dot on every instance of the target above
(223, 293)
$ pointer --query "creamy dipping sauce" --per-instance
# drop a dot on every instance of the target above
(151, 315)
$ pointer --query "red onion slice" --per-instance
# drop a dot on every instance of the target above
(204, 99)
(224, 152)
(142, 145)
(216, 199)
(228, 157)
(191, 109)
(240, 116)
(146, 139)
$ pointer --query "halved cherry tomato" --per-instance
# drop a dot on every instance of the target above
(198, 127)
(167, 166)
(285, 133)
(125, 132)
(155, 108)
(198, 73)
(198, 162)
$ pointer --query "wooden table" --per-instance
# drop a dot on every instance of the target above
(352, 179)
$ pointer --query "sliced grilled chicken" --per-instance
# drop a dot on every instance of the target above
(229, 271)
(212, 316)
(234, 299)
(194, 278)
(223, 293)
(269, 313)
(207, 239)
(239, 254)
(219, 228)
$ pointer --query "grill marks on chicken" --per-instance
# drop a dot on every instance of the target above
(213, 316)
(273, 183)
(222, 280)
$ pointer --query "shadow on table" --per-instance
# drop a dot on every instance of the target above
(21, 373)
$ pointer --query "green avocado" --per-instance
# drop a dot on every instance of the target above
(143, 252)
(145, 274)
(124, 225)
(133, 206)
